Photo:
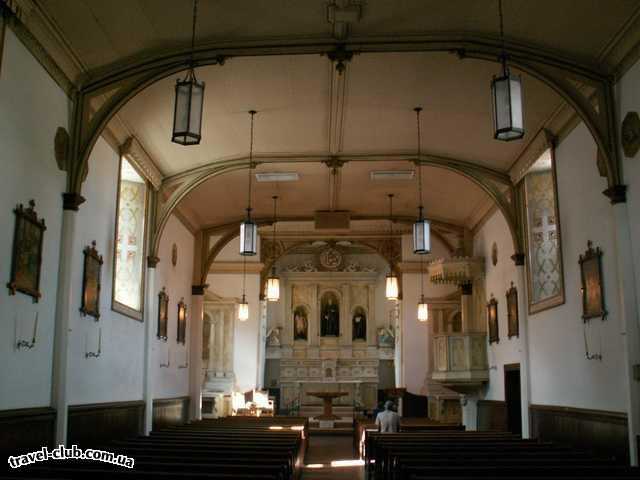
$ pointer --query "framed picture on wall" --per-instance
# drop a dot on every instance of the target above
(182, 321)
(26, 258)
(163, 314)
(592, 288)
(513, 324)
(91, 282)
(492, 318)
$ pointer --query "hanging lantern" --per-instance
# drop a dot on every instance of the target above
(243, 310)
(506, 92)
(423, 310)
(187, 115)
(392, 290)
(273, 287)
(248, 236)
(421, 235)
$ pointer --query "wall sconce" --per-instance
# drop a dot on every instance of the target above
(88, 354)
(20, 344)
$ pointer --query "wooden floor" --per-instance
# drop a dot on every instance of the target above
(324, 449)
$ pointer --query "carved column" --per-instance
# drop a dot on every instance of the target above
(219, 343)
(66, 305)
(525, 373)
(150, 321)
(346, 327)
(630, 320)
(195, 362)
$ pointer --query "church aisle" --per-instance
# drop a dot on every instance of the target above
(325, 449)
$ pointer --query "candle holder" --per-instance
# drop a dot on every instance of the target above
(88, 354)
(22, 343)
(168, 364)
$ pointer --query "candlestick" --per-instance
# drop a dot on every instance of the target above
(99, 340)
(35, 329)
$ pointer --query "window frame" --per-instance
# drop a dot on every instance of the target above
(559, 298)
(116, 306)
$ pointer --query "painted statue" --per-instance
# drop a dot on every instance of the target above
(330, 316)
(359, 324)
(300, 324)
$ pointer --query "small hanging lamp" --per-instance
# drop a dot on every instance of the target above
(248, 228)
(273, 282)
(423, 307)
(243, 306)
(422, 227)
(187, 112)
(391, 289)
(506, 94)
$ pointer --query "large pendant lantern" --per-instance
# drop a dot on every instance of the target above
(248, 228)
(273, 282)
(187, 113)
(392, 291)
(421, 227)
(506, 95)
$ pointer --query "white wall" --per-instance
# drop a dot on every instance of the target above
(32, 107)
(173, 381)
(628, 95)
(560, 373)
(117, 375)
(497, 281)
(415, 346)
(246, 334)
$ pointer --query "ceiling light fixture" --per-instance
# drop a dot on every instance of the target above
(423, 307)
(421, 228)
(187, 113)
(506, 93)
(391, 290)
(243, 306)
(248, 228)
(273, 282)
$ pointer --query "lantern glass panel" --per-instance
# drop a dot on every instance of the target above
(187, 117)
(421, 237)
(273, 289)
(243, 311)
(507, 107)
(423, 312)
(392, 290)
(248, 238)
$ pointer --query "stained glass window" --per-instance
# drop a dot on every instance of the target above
(130, 237)
(546, 287)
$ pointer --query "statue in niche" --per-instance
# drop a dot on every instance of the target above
(359, 324)
(330, 315)
(273, 337)
(300, 324)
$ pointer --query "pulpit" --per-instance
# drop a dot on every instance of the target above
(327, 398)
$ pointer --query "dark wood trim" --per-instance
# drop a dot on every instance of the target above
(170, 411)
(99, 423)
(601, 431)
(25, 429)
(492, 415)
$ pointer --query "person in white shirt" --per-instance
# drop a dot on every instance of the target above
(388, 421)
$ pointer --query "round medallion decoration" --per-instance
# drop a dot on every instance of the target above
(494, 254)
(330, 258)
(174, 255)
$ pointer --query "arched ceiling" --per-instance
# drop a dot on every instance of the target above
(309, 113)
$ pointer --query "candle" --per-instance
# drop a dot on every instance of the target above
(99, 340)
(35, 329)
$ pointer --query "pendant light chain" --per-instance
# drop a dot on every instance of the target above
(503, 55)
(193, 27)
(420, 205)
(275, 221)
(252, 113)
(391, 216)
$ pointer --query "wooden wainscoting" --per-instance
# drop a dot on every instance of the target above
(606, 433)
(170, 411)
(99, 423)
(492, 415)
(26, 429)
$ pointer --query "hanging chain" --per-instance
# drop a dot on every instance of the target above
(244, 277)
(421, 280)
(391, 216)
(252, 113)
(193, 26)
(503, 55)
(275, 199)
(420, 206)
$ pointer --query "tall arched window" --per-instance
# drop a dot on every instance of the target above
(128, 279)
